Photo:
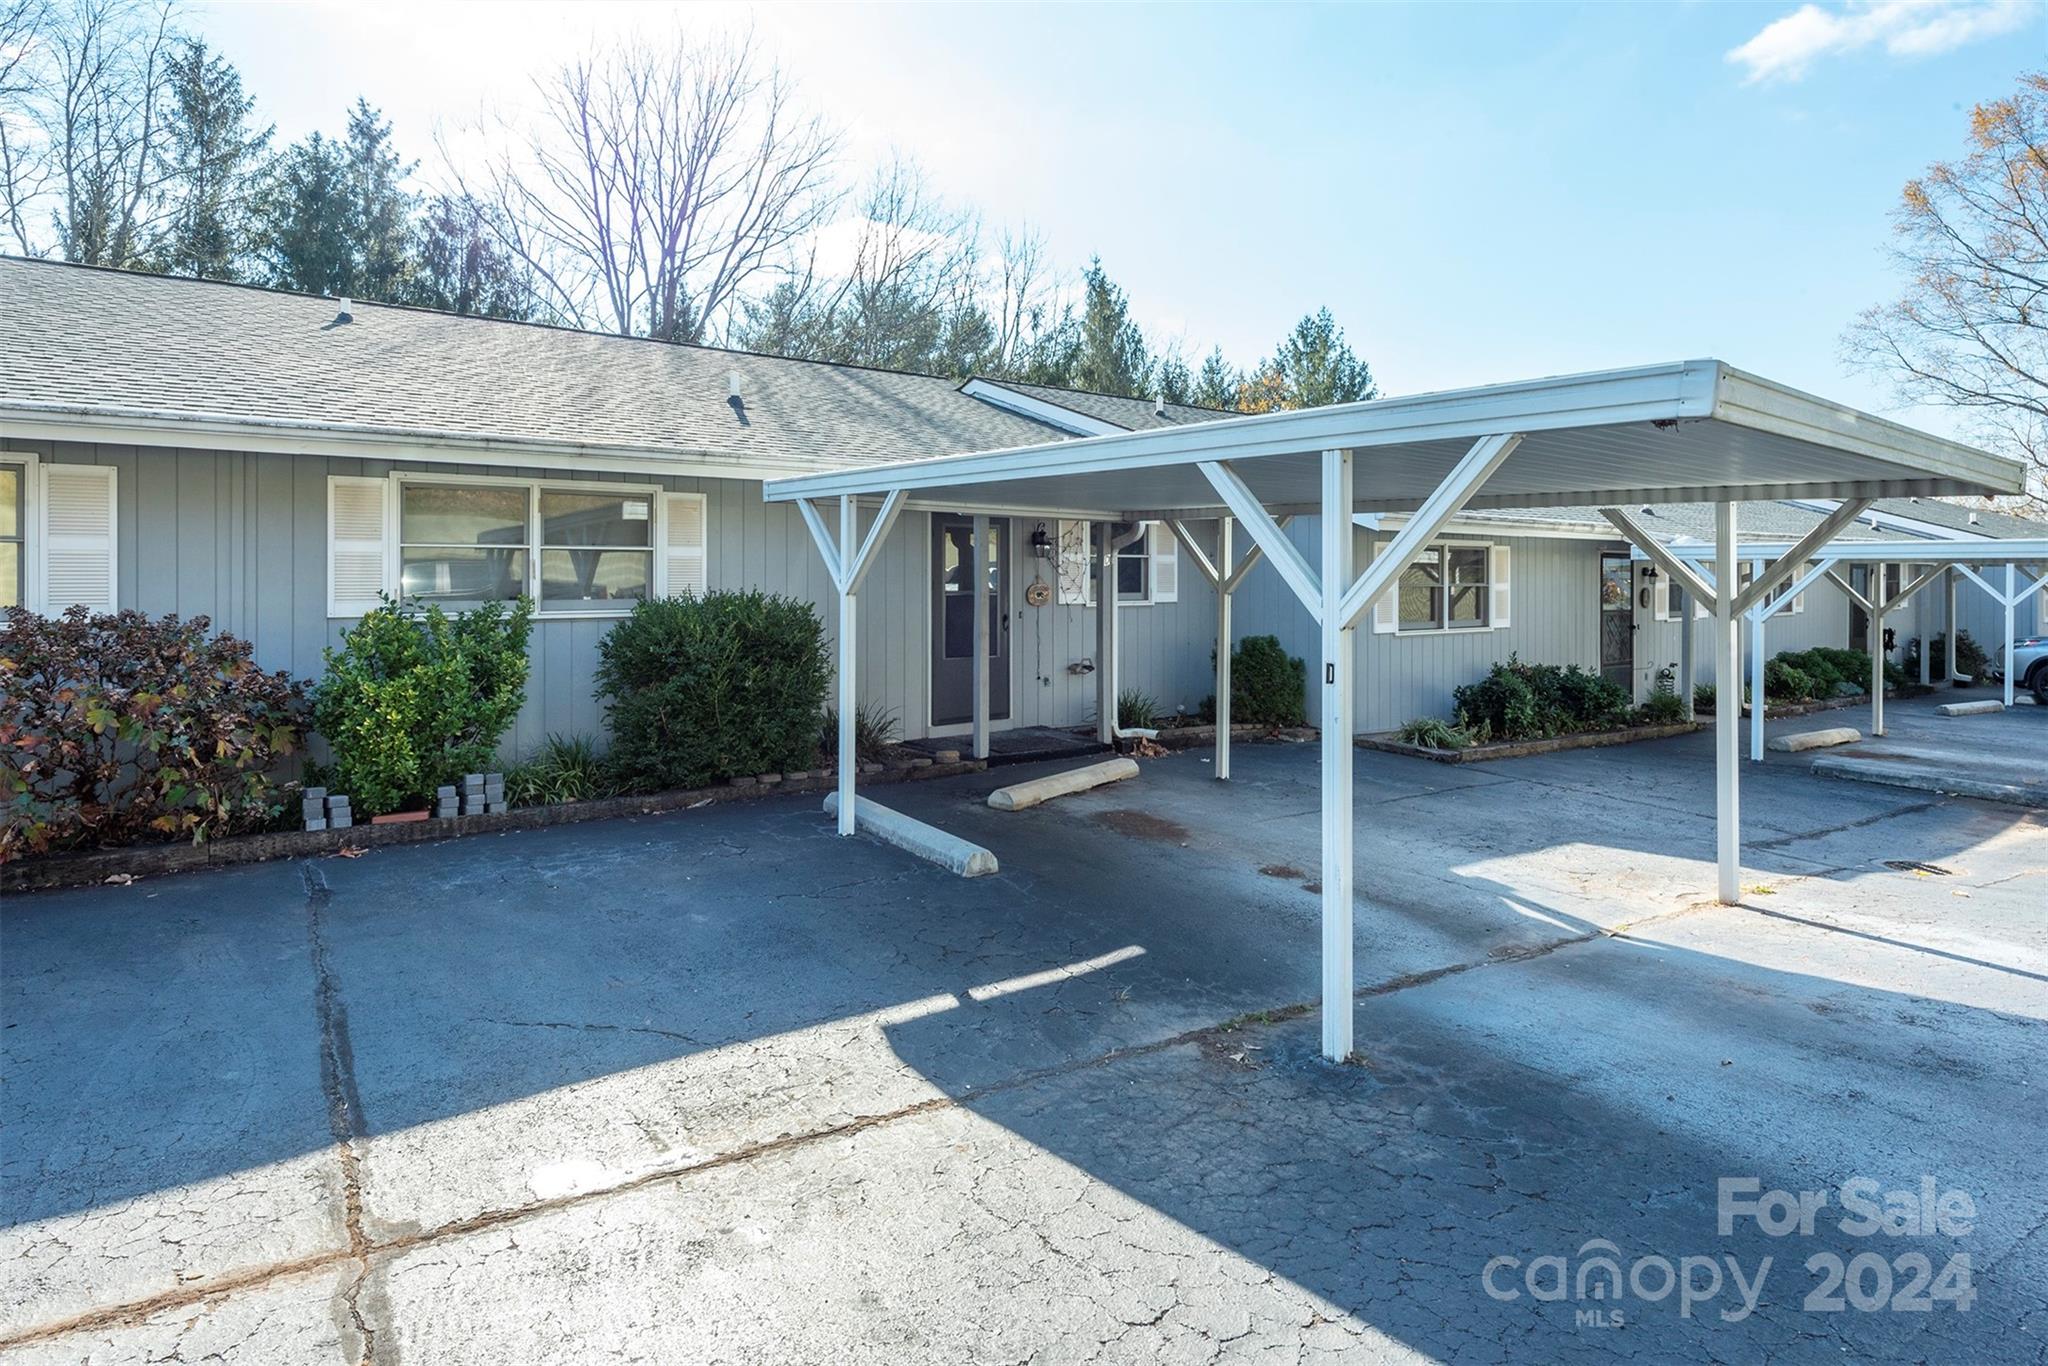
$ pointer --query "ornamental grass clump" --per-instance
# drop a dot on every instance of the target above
(414, 698)
(119, 727)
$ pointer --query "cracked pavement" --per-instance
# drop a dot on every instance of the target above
(717, 1086)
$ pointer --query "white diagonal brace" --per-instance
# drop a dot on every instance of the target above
(1856, 599)
(1928, 574)
(885, 519)
(1784, 600)
(1195, 552)
(1436, 511)
(827, 551)
(1998, 595)
(1809, 545)
(1683, 574)
(1252, 557)
(1266, 535)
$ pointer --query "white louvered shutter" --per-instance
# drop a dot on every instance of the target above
(78, 537)
(358, 543)
(1660, 598)
(1386, 612)
(1075, 582)
(1165, 569)
(1499, 575)
(685, 559)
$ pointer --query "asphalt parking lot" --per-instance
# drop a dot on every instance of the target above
(718, 1086)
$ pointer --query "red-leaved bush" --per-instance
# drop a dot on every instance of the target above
(117, 728)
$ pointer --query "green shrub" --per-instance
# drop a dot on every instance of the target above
(1970, 657)
(1518, 701)
(1786, 682)
(563, 769)
(1702, 697)
(874, 730)
(701, 689)
(1661, 708)
(1822, 679)
(415, 698)
(1268, 686)
(1851, 666)
(119, 728)
(1432, 732)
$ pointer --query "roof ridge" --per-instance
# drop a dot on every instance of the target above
(254, 288)
(1096, 393)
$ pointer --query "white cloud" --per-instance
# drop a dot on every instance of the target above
(1786, 47)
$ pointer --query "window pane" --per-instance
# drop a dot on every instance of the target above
(483, 575)
(10, 574)
(1422, 593)
(594, 519)
(583, 578)
(10, 501)
(1130, 575)
(1468, 586)
(448, 514)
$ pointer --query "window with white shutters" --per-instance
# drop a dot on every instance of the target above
(358, 543)
(78, 537)
(685, 558)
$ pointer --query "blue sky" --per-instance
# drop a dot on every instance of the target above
(1480, 193)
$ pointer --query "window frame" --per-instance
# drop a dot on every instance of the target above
(31, 538)
(1443, 625)
(1140, 550)
(656, 547)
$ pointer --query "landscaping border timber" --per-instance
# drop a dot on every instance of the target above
(1516, 749)
(87, 868)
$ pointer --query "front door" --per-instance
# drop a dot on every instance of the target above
(953, 619)
(1618, 622)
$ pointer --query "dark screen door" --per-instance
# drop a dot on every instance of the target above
(953, 619)
(1618, 622)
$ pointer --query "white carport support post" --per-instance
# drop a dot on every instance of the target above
(1338, 635)
(1880, 578)
(1686, 668)
(1727, 711)
(1106, 628)
(848, 561)
(2012, 599)
(1756, 616)
(1948, 584)
(1224, 577)
(1224, 585)
(849, 682)
(978, 579)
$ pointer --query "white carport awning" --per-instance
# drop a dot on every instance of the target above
(1692, 431)
(1695, 431)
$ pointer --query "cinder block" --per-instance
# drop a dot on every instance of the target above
(316, 824)
(315, 794)
(445, 793)
(342, 822)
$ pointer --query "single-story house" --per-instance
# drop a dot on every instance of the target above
(276, 461)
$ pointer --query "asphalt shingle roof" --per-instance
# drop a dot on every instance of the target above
(1957, 517)
(106, 342)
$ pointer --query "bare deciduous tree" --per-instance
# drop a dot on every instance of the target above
(84, 127)
(659, 179)
(1971, 329)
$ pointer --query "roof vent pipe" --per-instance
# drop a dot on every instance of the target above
(732, 384)
(1975, 519)
(344, 313)
(1159, 405)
